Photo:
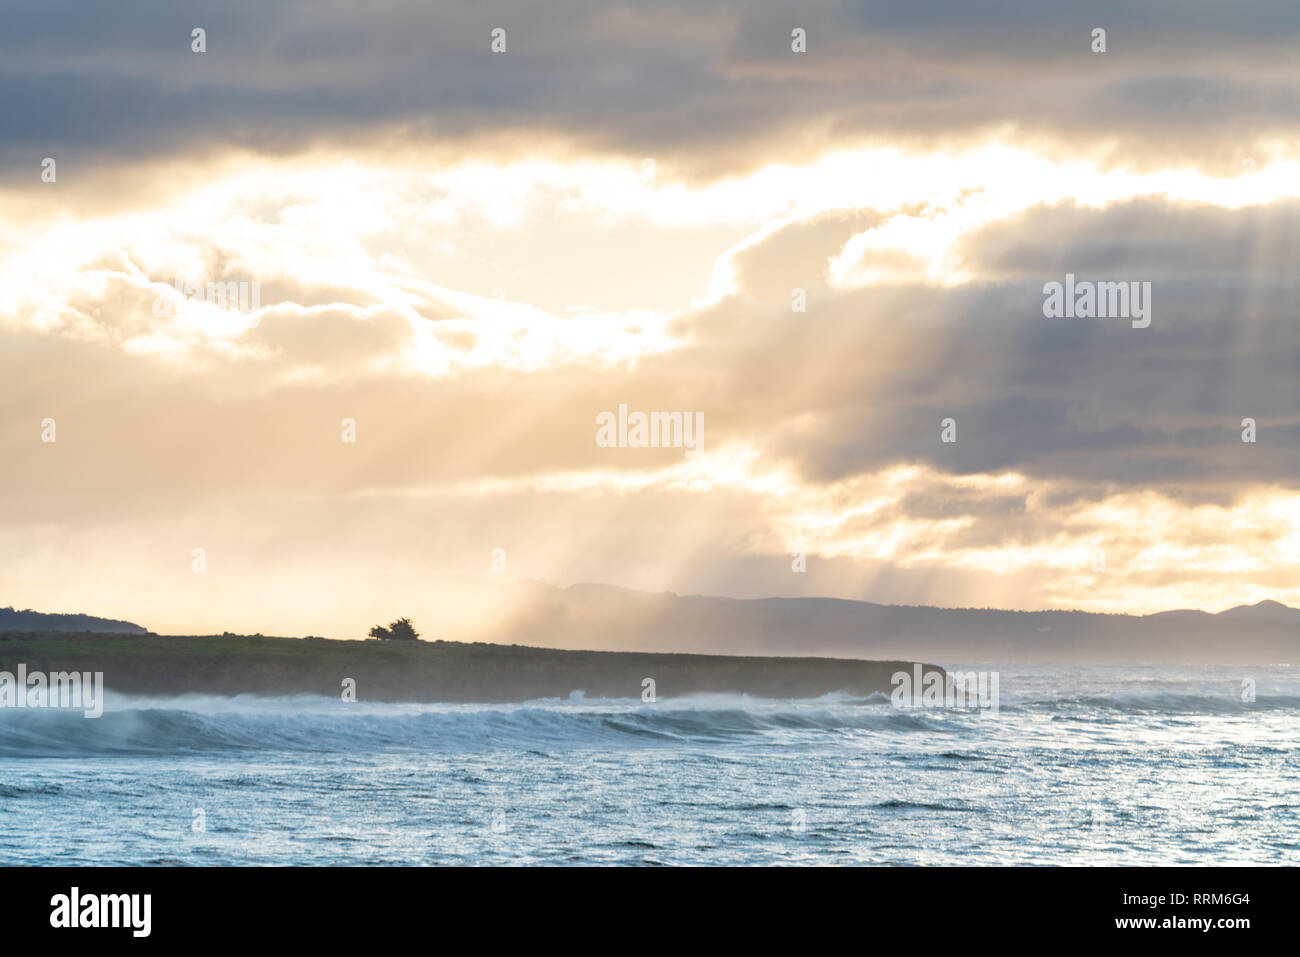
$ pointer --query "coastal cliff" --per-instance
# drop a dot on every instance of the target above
(422, 671)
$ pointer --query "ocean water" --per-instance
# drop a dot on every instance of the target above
(1081, 765)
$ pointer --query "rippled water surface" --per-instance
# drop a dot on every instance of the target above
(1128, 765)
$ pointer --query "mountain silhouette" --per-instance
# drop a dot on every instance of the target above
(28, 620)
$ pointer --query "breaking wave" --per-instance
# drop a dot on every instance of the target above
(199, 724)
(196, 724)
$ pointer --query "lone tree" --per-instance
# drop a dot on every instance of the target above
(399, 630)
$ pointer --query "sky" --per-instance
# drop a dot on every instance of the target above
(822, 232)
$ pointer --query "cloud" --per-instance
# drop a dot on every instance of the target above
(1181, 81)
(466, 256)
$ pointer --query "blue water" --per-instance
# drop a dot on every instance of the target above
(1081, 765)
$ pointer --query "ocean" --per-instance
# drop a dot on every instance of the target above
(1080, 765)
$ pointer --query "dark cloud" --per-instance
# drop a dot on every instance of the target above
(1149, 238)
(865, 378)
(95, 83)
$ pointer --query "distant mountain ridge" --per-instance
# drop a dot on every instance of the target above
(28, 620)
(1265, 611)
(608, 618)
(605, 617)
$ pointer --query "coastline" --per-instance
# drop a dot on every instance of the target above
(429, 671)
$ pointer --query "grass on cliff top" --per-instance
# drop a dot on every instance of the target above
(45, 643)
